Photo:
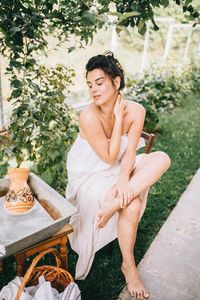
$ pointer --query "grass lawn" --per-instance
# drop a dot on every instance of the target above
(179, 136)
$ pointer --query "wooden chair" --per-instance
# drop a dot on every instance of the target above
(149, 139)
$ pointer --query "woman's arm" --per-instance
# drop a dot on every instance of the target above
(92, 128)
(134, 133)
(122, 189)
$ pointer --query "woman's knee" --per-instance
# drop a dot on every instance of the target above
(163, 159)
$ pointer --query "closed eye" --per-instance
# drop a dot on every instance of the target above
(98, 83)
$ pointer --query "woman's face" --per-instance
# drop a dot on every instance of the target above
(101, 88)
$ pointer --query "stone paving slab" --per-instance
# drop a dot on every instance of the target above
(170, 268)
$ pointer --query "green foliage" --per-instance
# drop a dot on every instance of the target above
(161, 90)
(4, 153)
(24, 21)
(145, 11)
(42, 126)
(192, 77)
(176, 11)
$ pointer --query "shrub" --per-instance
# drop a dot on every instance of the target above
(4, 151)
(192, 77)
(42, 126)
(159, 90)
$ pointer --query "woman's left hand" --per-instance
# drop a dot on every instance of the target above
(124, 191)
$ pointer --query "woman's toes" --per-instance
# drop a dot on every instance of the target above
(145, 295)
(133, 294)
(139, 295)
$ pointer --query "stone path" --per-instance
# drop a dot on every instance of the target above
(170, 268)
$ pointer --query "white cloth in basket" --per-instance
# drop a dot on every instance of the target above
(41, 291)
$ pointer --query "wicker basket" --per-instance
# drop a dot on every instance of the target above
(58, 277)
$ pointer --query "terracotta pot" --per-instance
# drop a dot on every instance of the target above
(19, 198)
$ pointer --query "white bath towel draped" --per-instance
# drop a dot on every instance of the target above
(89, 180)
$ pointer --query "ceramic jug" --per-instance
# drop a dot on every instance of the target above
(19, 198)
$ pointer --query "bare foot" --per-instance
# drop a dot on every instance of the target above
(106, 212)
(134, 284)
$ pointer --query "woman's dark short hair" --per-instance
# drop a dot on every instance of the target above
(109, 64)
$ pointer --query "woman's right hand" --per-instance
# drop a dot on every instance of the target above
(120, 108)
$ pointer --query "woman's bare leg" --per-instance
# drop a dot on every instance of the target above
(127, 229)
(148, 171)
(145, 174)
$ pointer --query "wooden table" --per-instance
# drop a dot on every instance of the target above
(60, 238)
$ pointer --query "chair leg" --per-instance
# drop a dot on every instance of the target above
(63, 252)
(20, 259)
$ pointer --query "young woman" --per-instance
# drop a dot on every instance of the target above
(107, 180)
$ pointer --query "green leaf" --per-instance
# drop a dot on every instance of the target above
(119, 29)
(85, 4)
(47, 177)
(156, 3)
(116, 13)
(15, 29)
(195, 15)
(16, 93)
(16, 83)
(34, 168)
(88, 18)
(70, 49)
(165, 3)
(128, 15)
(30, 62)
(15, 63)
(54, 155)
(142, 28)
(184, 8)
(190, 8)
(188, 2)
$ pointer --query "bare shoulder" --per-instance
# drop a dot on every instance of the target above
(88, 114)
(135, 109)
(88, 118)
